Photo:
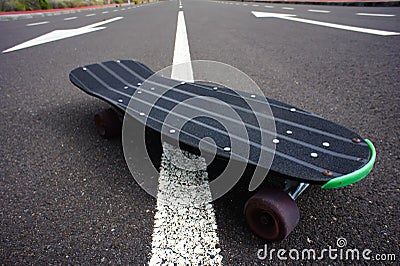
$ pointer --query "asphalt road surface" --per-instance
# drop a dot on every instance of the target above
(67, 196)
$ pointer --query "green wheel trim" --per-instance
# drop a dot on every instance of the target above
(355, 176)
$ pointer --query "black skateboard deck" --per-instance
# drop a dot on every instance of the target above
(309, 148)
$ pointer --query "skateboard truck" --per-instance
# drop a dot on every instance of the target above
(300, 189)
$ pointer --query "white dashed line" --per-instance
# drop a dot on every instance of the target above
(375, 15)
(255, 5)
(288, 8)
(181, 52)
(90, 15)
(318, 11)
(268, 6)
(184, 224)
(115, 10)
(70, 18)
(104, 12)
(37, 23)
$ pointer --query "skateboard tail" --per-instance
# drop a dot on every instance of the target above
(355, 176)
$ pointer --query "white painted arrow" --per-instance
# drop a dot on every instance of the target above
(61, 34)
(270, 15)
(325, 24)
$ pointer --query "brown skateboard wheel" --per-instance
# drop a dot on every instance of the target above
(107, 123)
(271, 214)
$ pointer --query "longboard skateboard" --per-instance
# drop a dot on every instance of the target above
(308, 148)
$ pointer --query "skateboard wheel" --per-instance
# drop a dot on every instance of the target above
(107, 123)
(271, 214)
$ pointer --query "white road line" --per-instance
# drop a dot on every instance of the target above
(90, 15)
(288, 8)
(255, 5)
(184, 224)
(268, 6)
(181, 52)
(115, 10)
(104, 12)
(37, 23)
(270, 15)
(318, 11)
(375, 15)
(325, 24)
(70, 18)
